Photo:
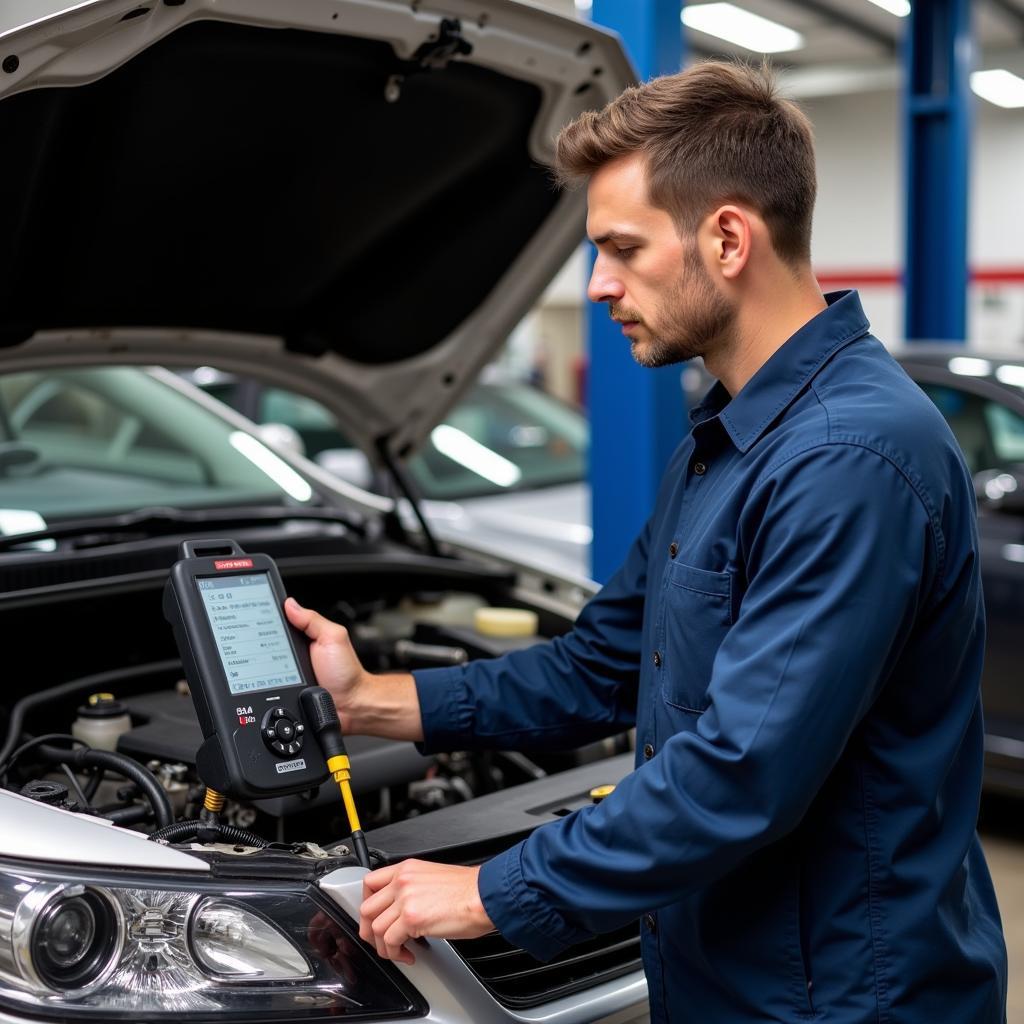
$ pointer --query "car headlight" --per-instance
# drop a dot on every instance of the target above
(150, 949)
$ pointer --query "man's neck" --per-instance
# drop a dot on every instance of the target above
(762, 327)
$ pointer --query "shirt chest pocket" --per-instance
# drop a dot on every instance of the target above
(697, 612)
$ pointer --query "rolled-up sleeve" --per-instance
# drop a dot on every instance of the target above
(840, 553)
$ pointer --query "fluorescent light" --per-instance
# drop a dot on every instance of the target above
(1010, 374)
(1001, 87)
(1013, 552)
(901, 8)
(22, 520)
(967, 367)
(275, 467)
(463, 449)
(736, 25)
(584, 5)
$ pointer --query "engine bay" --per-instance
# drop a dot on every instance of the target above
(120, 742)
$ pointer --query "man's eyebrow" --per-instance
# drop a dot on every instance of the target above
(615, 236)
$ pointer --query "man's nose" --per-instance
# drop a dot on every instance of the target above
(604, 286)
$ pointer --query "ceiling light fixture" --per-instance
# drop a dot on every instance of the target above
(966, 366)
(1012, 374)
(901, 8)
(736, 25)
(1001, 87)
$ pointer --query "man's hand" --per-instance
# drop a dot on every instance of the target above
(335, 663)
(368, 704)
(416, 899)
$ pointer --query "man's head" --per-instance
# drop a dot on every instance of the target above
(692, 178)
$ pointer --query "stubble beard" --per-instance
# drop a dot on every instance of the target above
(692, 321)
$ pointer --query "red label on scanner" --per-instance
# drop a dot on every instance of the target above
(233, 563)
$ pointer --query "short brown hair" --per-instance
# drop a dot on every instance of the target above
(716, 132)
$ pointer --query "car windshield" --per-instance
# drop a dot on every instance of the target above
(501, 437)
(102, 440)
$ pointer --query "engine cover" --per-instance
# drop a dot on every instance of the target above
(167, 730)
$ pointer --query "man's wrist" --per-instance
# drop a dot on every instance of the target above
(351, 706)
(478, 910)
(383, 705)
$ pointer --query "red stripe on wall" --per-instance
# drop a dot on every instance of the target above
(888, 278)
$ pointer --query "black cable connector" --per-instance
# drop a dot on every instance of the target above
(322, 716)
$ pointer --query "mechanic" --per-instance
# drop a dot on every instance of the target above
(797, 633)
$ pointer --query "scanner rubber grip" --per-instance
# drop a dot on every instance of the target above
(320, 710)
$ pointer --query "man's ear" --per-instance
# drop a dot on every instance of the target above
(731, 237)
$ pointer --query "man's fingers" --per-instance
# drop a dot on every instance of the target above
(394, 943)
(376, 880)
(312, 623)
(297, 615)
(379, 926)
(371, 909)
(401, 955)
(377, 903)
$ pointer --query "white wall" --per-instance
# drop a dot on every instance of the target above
(858, 224)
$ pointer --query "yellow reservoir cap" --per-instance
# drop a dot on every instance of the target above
(505, 622)
(598, 793)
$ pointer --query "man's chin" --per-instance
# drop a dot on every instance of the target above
(651, 356)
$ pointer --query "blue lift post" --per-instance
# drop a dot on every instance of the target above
(937, 123)
(637, 416)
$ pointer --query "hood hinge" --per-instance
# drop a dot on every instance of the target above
(434, 54)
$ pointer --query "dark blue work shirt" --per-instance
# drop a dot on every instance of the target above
(797, 635)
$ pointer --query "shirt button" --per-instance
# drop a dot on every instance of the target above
(699, 468)
(648, 751)
(657, 659)
(673, 549)
(651, 922)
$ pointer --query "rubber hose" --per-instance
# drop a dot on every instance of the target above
(180, 829)
(123, 765)
(99, 681)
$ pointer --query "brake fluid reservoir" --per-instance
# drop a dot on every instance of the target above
(100, 721)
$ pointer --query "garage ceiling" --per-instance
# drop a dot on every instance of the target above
(847, 34)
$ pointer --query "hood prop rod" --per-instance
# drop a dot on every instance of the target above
(408, 492)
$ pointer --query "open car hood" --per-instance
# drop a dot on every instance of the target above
(347, 197)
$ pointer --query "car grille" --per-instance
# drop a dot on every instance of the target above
(518, 980)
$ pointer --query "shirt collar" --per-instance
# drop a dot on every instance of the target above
(777, 383)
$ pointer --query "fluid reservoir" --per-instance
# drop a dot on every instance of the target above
(449, 610)
(100, 721)
(505, 622)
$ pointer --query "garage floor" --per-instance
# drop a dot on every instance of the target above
(1002, 835)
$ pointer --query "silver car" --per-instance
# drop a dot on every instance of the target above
(347, 197)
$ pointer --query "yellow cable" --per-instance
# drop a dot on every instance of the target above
(350, 807)
(340, 767)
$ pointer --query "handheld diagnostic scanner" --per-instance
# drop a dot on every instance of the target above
(246, 667)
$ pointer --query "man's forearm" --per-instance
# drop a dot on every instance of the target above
(385, 705)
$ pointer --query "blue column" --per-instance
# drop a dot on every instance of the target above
(938, 53)
(637, 416)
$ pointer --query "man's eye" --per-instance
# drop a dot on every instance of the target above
(625, 253)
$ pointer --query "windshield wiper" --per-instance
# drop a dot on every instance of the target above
(162, 520)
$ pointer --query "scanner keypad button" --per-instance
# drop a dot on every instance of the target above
(281, 733)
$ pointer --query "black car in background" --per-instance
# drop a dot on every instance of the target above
(982, 399)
